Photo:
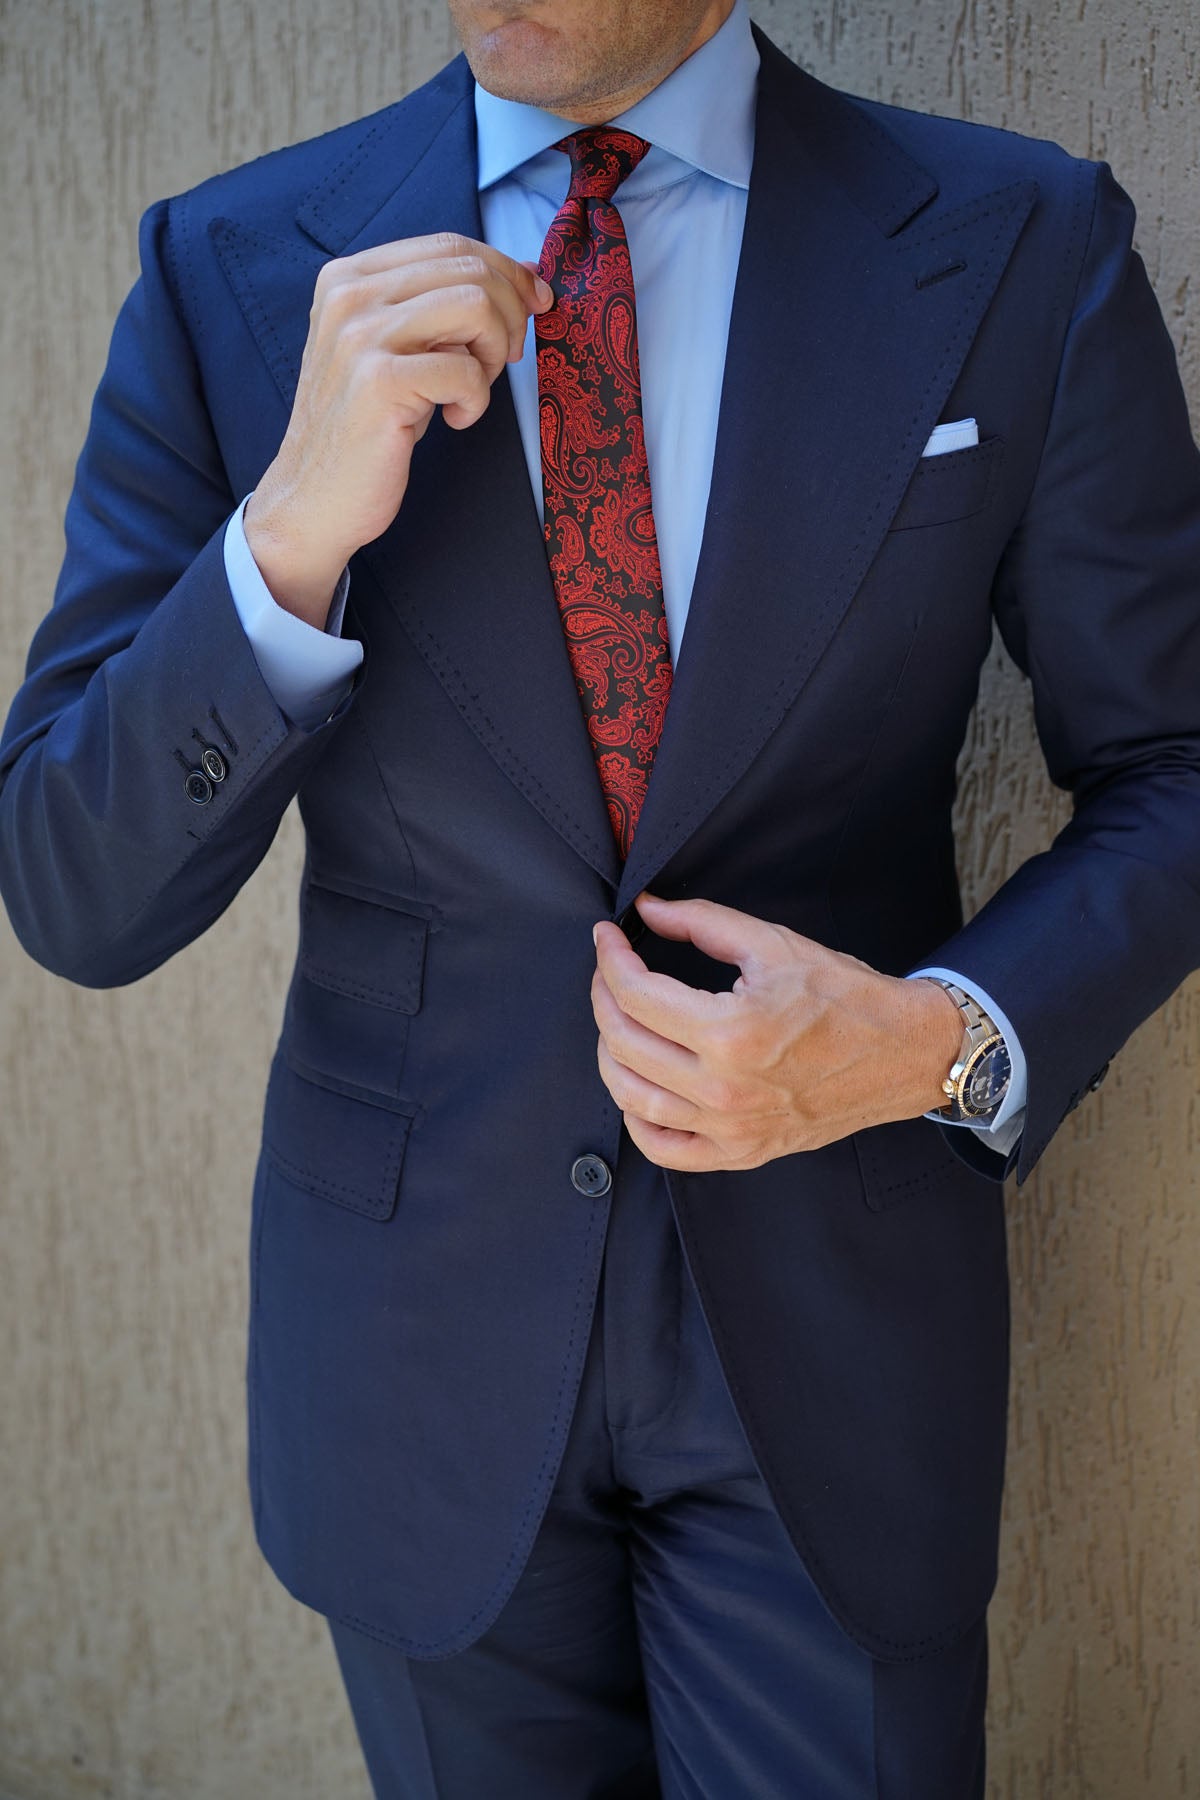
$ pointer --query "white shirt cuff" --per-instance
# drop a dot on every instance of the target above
(309, 672)
(1004, 1130)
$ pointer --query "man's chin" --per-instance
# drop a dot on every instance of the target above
(518, 61)
(512, 60)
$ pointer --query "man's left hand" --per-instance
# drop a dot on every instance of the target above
(808, 1046)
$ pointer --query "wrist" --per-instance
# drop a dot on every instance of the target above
(300, 578)
(934, 1043)
(981, 1074)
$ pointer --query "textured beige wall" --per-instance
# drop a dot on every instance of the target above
(144, 1652)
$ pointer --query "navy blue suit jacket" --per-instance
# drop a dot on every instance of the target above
(423, 1270)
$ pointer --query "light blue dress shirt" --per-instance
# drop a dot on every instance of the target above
(684, 208)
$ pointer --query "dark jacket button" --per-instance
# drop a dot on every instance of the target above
(632, 924)
(591, 1175)
(214, 764)
(198, 787)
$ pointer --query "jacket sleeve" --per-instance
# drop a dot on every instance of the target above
(113, 853)
(1098, 600)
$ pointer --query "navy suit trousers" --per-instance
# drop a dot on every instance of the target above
(663, 1638)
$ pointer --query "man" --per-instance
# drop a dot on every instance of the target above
(628, 1351)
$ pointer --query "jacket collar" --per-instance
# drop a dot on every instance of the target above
(425, 152)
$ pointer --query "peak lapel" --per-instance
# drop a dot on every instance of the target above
(464, 563)
(837, 368)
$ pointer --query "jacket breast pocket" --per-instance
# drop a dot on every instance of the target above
(955, 486)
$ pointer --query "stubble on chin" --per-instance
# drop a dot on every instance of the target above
(569, 69)
(554, 75)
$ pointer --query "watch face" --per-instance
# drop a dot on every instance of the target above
(987, 1079)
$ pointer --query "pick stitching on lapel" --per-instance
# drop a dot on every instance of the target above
(836, 371)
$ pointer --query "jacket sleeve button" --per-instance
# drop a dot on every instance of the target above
(214, 764)
(198, 787)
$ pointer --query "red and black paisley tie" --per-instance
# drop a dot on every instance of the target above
(600, 534)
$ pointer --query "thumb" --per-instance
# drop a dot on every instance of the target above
(544, 291)
(721, 932)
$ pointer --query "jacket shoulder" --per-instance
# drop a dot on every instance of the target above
(266, 192)
(898, 164)
(964, 155)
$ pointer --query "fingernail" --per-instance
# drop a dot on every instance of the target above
(596, 935)
(544, 291)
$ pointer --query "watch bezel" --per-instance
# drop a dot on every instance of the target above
(959, 1079)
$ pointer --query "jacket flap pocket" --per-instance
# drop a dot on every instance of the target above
(910, 1157)
(334, 1139)
(367, 945)
(954, 486)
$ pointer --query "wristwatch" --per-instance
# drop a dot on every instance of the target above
(979, 1079)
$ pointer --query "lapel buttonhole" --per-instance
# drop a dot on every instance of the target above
(943, 272)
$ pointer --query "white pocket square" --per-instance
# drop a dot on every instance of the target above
(961, 434)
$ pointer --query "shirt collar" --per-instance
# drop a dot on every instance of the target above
(702, 115)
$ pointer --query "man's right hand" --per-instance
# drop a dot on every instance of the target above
(394, 332)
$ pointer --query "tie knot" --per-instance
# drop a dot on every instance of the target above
(601, 158)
